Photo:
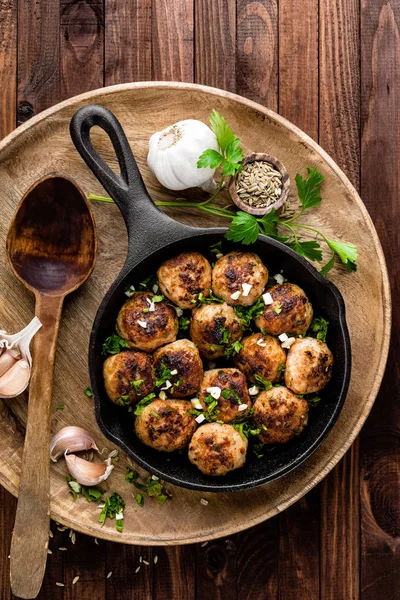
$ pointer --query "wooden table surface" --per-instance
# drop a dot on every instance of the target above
(333, 68)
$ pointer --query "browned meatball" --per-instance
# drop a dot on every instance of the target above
(235, 269)
(128, 376)
(213, 327)
(280, 415)
(143, 328)
(291, 311)
(184, 277)
(233, 393)
(181, 365)
(217, 449)
(309, 366)
(166, 425)
(261, 355)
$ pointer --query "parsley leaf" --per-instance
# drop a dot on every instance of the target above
(328, 266)
(233, 349)
(201, 299)
(244, 228)
(184, 323)
(137, 385)
(268, 223)
(310, 249)
(210, 158)
(113, 344)
(223, 132)
(309, 190)
(318, 329)
(88, 392)
(262, 383)
(347, 253)
(153, 487)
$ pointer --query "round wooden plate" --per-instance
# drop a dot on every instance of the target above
(43, 145)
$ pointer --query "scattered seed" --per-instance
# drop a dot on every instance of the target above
(203, 544)
(155, 559)
(73, 537)
(60, 584)
(62, 528)
(146, 562)
(75, 580)
(204, 502)
(137, 569)
(96, 541)
(49, 551)
(260, 184)
(51, 534)
(140, 559)
(109, 575)
(113, 453)
(63, 549)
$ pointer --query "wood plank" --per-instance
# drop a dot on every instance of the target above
(173, 40)
(340, 135)
(380, 475)
(299, 525)
(8, 505)
(298, 64)
(215, 32)
(257, 562)
(55, 566)
(257, 51)
(131, 577)
(82, 46)
(8, 66)
(128, 25)
(175, 572)
(86, 560)
(38, 56)
(216, 570)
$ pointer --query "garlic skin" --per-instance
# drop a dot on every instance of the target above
(174, 152)
(86, 472)
(15, 380)
(21, 340)
(71, 439)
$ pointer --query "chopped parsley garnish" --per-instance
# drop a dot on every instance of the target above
(227, 394)
(278, 309)
(164, 374)
(141, 405)
(313, 400)
(110, 506)
(137, 385)
(233, 349)
(201, 299)
(212, 411)
(153, 487)
(263, 383)
(113, 344)
(156, 415)
(149, 283)
(248, 313)
(216, 249)
(124, 400)
(88, 392)
(158, 298)
(184, 323)
(139, 499)
(60, 406)
(281, 370)
(318, 329)
(257, 448)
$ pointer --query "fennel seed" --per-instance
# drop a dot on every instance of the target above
(259, 184)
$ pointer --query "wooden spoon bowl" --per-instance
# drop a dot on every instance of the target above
(51, 247)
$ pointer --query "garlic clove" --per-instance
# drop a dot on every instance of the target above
(8, 359)
(86, 472)
(15, 380)
(71, 439)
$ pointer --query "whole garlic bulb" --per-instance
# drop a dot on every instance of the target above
(174, 152)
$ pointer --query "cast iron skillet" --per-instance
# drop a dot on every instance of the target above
(154, 237)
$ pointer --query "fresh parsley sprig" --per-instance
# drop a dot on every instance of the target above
(230, 156)
(245, 228)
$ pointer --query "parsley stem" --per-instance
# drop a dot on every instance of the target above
(215, 194)
(284, 223)
(100, 198)
(311, 229)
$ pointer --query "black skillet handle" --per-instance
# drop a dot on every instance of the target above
(148, 227)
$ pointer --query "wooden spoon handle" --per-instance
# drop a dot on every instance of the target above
(31, 531)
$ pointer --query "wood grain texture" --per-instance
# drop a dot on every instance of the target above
(131, 577)
(128, 43)
(8, 65)
(299, 562)
(257, 51)
(298, 64)
(380, 474)
(173, 40)
(88, 561)
(182, 520)
(82, 46)
(339, 122)
(215, 30)
(38, 56)
(216, 570)
(175, 572)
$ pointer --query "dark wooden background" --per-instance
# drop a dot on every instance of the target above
(333, 68)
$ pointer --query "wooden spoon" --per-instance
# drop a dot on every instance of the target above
(51, 247)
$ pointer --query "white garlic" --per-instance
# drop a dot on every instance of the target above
(174, 152)
(15, 380)
(86, 472)
(16, 360)
(71, 439)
